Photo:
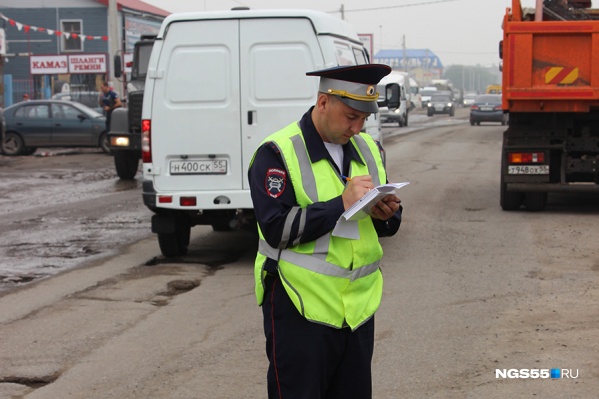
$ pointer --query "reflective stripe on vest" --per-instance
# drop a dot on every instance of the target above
(316, 265)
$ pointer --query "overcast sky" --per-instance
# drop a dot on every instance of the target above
(458, 31)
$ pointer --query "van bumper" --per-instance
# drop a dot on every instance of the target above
(204, 200)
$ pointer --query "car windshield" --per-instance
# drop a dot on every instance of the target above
(489, 99)
(441, 98)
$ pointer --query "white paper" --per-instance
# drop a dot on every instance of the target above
(361, 208)
(347, 225)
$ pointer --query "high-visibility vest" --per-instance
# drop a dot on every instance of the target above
(333, 280)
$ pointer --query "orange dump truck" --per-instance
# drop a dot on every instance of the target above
(551, 91)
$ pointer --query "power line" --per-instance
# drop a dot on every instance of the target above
(396, 6)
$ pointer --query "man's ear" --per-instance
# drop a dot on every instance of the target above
(323, 101)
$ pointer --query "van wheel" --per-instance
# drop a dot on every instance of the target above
(405, 121)
(535, 201)
(175, 244)
(126, 164)
(12, 144)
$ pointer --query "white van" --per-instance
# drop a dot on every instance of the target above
(415, 96)
(218, 83)
(397, 115)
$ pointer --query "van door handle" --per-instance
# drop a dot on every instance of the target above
(251, 117)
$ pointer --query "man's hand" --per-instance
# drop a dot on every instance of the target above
(386, 207)
(355, 189)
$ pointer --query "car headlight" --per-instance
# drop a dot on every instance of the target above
(449, 104)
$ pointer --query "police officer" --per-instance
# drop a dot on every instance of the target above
(319, 291)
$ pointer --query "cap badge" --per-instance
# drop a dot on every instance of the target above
(370, 91)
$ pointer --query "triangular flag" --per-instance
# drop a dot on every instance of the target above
(27, 27)
(50, 31)
(19, 25)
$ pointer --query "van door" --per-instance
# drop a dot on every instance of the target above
(195, 108)
(276, 53)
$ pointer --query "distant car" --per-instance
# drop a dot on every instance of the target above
(51, 123)
(425, 95)
(469, 99)
(487, 108)
(87, 98)
(441, 103)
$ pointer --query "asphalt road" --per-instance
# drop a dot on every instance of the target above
(468, 289)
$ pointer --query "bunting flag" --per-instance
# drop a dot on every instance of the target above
(51, 32)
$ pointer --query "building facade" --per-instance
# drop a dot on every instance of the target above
(53, 46)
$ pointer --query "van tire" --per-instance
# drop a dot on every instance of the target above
(126, 164)
(175, 244)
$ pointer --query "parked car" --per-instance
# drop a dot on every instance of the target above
(441, 103)
(52, 123)
(487, 108)
(87, 98)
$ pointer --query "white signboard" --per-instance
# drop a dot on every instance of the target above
(87, 63)
(61, 64)
(48, 64)
(2, 42)
(366, 39)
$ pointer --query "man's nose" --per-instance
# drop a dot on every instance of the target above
(356, 127)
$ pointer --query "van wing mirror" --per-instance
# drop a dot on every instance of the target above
(391, 97)
(118, 66)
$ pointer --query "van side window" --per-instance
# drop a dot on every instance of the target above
(345, 55)
(360, 56)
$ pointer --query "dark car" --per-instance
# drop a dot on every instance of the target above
(487, 108)
(52, 123)
(441, 103)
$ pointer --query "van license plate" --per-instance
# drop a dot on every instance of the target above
(528, 169)
(198, 167)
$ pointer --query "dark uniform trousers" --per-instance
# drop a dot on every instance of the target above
(310, 360)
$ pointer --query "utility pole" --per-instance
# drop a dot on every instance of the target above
(113, 40)
(405, 61)
(342, 11)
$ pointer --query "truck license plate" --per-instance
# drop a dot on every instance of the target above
(198, 167)
(528, 169)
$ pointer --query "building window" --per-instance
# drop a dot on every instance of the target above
(71, 43)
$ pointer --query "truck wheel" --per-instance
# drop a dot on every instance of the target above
(535, 201)
(175, 244)
(126, 164)
(12, 144)
(509, 200)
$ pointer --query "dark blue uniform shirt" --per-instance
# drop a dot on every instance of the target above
(321, 217)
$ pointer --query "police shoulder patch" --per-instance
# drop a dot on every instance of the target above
(275, 182)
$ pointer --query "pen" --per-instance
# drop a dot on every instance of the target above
(345, 178)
